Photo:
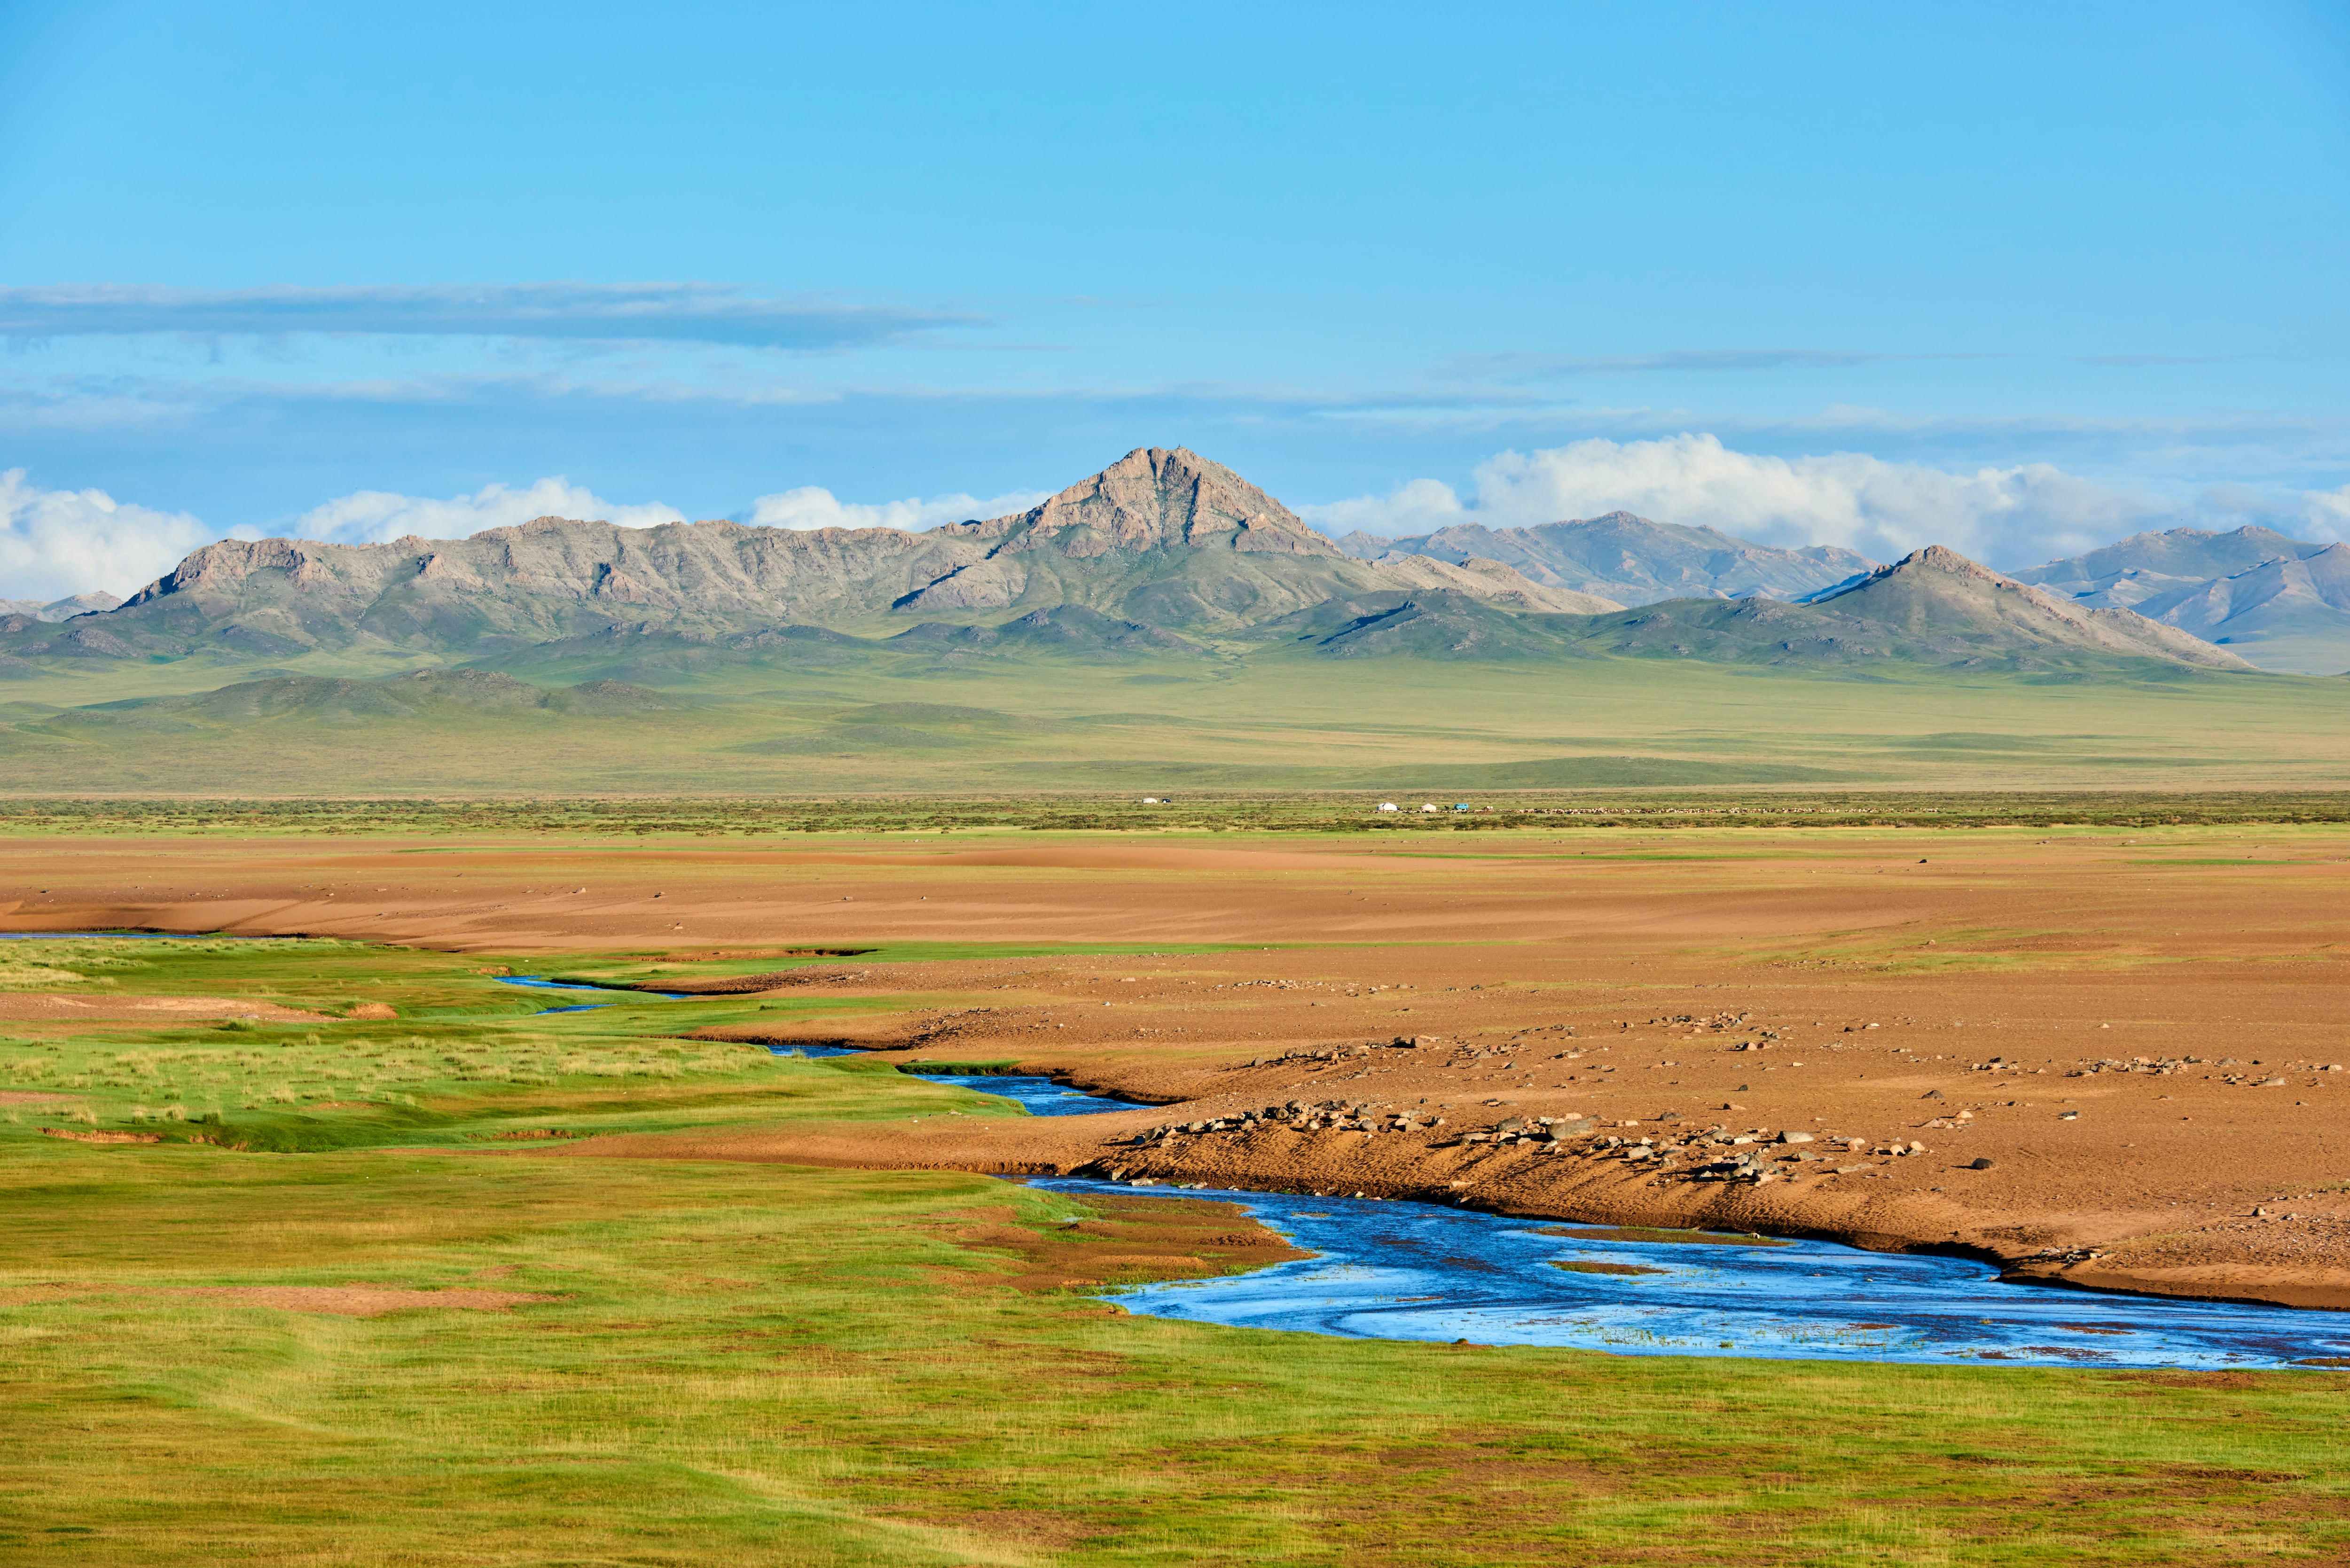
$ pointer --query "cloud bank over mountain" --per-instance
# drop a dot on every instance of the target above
(813, 506)
(54, 543)
(2008, 516)
(372, 516)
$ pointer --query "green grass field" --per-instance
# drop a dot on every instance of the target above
(1288, 724)
(768, 1365)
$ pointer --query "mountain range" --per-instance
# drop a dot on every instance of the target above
(2282, 603)
(1161, 555)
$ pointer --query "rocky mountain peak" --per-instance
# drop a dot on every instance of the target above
(1154, 498)
(1942, 558)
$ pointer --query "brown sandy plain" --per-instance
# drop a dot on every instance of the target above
(2143, 1032)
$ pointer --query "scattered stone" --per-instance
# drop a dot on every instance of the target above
(1979, 1163)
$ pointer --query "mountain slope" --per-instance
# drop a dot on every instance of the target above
(1633, 560)
(1936, 590)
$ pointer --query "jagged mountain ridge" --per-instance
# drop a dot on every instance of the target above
(1162, 538)
(1630, 558)
(1162, 554)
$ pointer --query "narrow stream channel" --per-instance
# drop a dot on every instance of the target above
(1037, 1095)
(540, 983)
(1417, 1270)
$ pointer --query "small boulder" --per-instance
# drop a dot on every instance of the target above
(1979, 1163)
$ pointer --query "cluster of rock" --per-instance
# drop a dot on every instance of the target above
(1300, 1115)
(1345, 1052)
(1541, 1132)
(2153, 1065)
(1746, 1157)
(2066, 1255)
(2165, 1067)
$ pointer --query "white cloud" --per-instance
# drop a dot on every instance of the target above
(54, 543)
(812, 506)
(372, 516)
(2319, 515)
(2007, 516)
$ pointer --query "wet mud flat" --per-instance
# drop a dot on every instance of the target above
(1420, 1272)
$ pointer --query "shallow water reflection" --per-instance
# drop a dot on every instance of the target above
(1413, 1271)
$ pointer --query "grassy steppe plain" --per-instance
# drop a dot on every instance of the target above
(776, 1366)
(894, 721)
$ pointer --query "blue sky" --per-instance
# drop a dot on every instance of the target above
(2018, 277)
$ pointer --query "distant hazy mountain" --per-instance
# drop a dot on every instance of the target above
(2284, 613)
(1631, 559)
(2136, 569)
(58, 609)
(2282, 603)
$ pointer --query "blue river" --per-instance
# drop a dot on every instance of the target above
(1417, 1270)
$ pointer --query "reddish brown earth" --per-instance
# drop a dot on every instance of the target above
(1727, 977)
